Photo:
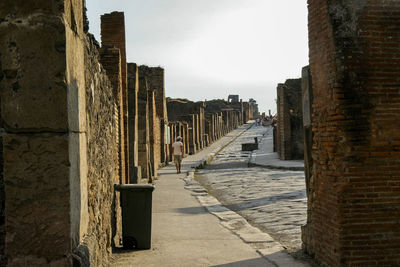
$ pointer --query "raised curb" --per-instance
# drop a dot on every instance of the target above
(262, 242)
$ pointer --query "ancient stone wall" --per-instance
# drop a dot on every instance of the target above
(2, 197)
(290, 120)
(356, 176)
(110, 59)
(58, 144)
(35, 142)
(104, 227)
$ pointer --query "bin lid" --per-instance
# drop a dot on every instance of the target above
(134, 187)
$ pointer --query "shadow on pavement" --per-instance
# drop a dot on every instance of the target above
(248, 204)
(247, 263)
(192, 210)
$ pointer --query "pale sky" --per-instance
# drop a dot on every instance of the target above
(213, 48)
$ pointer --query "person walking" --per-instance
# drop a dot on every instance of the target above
(177, 151)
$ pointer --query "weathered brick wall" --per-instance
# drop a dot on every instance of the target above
(290, 120)
(113, 35)
(353, 51)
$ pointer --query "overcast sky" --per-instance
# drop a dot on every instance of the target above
(213, 48)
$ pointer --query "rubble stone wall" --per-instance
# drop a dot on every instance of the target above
(104, 228)
(353, 47)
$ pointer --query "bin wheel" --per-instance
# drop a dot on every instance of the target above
(129, 242)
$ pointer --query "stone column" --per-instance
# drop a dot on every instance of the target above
(113, 35)
(133, 124)
(143, 126)
(306, 84)
(154, 127)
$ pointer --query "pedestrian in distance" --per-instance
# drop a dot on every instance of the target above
(177, 151)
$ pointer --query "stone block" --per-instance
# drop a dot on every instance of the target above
(38, 196)
(39, 96)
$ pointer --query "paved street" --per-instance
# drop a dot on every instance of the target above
(272, 200)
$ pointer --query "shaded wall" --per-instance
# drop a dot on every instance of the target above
(59, 161)
(356, 171)
(133, 123)
(290, 120)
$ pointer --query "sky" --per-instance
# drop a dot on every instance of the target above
(212, 48)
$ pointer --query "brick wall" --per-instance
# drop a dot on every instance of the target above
(356, 175)
(113, 35)
(290, 120)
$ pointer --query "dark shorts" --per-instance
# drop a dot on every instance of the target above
(177, 158)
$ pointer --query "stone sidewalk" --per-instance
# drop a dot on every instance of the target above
(185, 233)
(266, 157)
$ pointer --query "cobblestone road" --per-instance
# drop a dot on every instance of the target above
(272, 200)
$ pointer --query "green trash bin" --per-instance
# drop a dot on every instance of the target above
(136, 203)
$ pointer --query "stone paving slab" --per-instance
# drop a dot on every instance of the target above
(273, 200)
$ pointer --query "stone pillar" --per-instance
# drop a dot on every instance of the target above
(133, 124)
(143, 127)
(356, 146)
(155, 80)
(306, 84)
(154, 131)
(113, 35)
(290, 120)
(192, 134)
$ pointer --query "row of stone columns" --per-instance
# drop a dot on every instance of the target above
(142, 110)
(200, 128)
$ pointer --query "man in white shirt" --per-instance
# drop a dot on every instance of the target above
(177, 151)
